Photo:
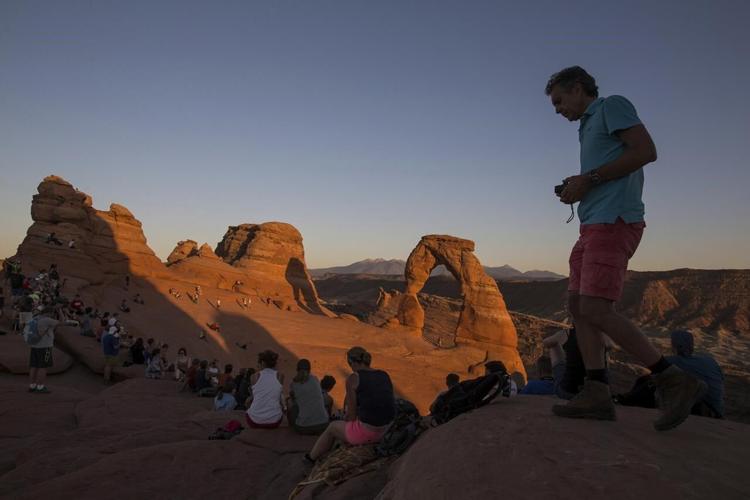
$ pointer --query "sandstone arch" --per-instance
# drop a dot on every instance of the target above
(484, 317)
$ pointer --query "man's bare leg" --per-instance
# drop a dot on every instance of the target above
(590, 341)
(599, 315)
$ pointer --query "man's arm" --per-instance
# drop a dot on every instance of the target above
(352, 382)
(639, 151)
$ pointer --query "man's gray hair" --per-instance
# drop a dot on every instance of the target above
(568, 77)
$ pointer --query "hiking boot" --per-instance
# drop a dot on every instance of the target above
(677, 391)
(594, 401)
(43, 390)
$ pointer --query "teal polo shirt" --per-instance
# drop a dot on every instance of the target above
(603, 204)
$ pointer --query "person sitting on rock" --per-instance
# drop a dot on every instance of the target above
(244, 388)
(451, 380)
(306, 409)
(545, 384)
(267, 405)
(327, 383)
(124, 306)
(370, 406)
(181, 364)
(203, 381)
(705, 368)
(198, 290)
(138, 299)
(72, 244)
(87, 328)
(76, 305)
(227, 375)
(51, 238)
(154, 367)
(191, 375)
(164, 353)
(214, 326)
(568, 370)
(224, 400)
(213, 372)
(148, 349)
(53, 275)
(218, 303)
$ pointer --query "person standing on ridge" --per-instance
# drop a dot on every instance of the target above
(615, 146)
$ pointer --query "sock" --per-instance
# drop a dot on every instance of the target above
(659, 366)
(598, 375)
(32, 386)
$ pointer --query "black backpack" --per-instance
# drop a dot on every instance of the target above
(403, 431)
(468, 395)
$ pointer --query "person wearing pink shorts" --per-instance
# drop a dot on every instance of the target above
(615, 146)
(370, 407)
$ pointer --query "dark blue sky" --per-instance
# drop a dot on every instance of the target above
(369, 124)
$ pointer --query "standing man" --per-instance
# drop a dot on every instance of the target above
(615, 146)
(111, 350)
(41, 350)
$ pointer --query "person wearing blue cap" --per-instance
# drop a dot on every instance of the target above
(703, 367)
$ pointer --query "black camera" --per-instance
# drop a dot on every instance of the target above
(560, 187)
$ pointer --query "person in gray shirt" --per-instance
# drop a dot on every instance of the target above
(307, 412)
(703, 367)
(41, 352)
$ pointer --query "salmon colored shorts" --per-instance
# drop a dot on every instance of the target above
(356, 433)
(600, 258)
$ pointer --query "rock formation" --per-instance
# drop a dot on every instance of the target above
(272, 254)
(106, 244)
(183, 250)
(484, 317)
(268, 259)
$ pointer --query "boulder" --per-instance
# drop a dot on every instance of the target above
(272, 257)
(107, 243)
(14, 356)
(517, 447)
(183, 250)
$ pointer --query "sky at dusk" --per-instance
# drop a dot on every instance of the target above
(369, 124)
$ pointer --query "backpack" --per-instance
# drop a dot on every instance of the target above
(403, 431)
(468, 395)
(31, 332)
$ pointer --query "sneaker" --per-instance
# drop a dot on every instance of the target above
(677, 391)
(32, 389)
(43, 390)
(594, 402)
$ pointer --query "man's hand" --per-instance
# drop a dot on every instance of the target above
(576, 188)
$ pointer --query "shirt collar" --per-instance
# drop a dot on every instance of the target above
(591, 109)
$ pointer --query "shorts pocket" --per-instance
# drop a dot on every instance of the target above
(605, 272)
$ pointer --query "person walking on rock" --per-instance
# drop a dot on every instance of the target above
(615, 146)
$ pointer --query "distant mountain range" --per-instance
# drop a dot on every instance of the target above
(396, 267)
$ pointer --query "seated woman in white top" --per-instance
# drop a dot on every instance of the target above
(266, 409)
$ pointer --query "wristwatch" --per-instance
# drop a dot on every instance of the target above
(595, 178)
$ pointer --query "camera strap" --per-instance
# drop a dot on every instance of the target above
(572, 214)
